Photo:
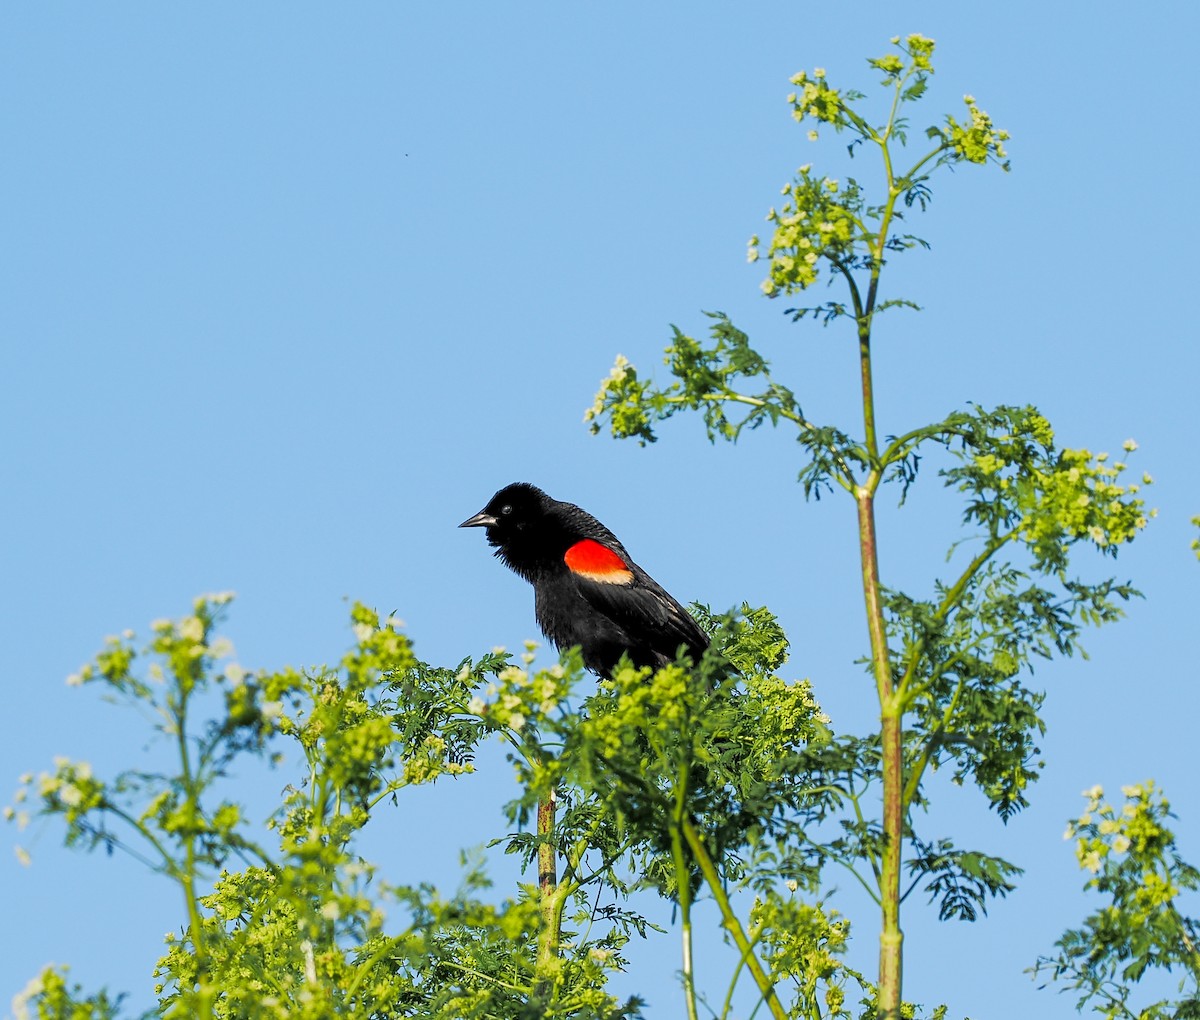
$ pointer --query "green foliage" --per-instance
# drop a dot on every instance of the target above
(976, 142)
(706, 380)
(717, 779)
(53, 999)
(1133, 863)
(951, 668)
(690, 777)
(298, 928)
(962, 881)
(694, 777)
(961, 654)
(820, 218)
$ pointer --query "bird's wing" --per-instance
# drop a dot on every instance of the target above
(622, 591)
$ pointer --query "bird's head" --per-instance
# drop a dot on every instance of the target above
(514, 516)
(532, 532)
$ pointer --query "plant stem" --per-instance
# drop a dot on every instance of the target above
(891, 706)
(730, 921)
(891, 713)
(950, 602)
(549, 902)
(728, 1003)
(891, 718)
(188, 876)
(683, 888)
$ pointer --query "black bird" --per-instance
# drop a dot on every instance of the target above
(587, 589)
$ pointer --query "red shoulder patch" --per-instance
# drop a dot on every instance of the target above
(597, 562)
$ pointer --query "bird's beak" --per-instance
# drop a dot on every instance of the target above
(480, 520)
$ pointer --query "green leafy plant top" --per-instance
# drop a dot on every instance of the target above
(1132, 862)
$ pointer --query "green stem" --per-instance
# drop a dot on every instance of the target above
(931, 155)
(727, 1005)
(900, 447)
(949, 602)
(550, 902)
(1192, 959)
(188, 877)
(683, 884)
(169, 867)
(871, 441)
(872, 858)
(850, 867)
(851, 283)
(480, 976)
(730, 920)
(683, 887)
(891, 938)
(896, 99)
(363, 967)
(846, 480)
(918, 768)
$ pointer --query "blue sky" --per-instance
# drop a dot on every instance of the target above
(288, 290)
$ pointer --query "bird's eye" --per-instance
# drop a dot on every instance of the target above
(505, 510)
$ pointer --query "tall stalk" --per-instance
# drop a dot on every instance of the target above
(891, 708)
(891, 938)
(187, 875)
(823, 222)
(549, 903)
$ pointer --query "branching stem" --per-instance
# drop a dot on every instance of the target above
(730, 920)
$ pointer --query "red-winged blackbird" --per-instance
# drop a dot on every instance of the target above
(587, 589)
